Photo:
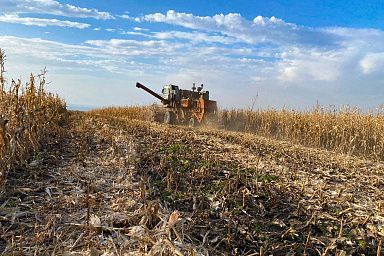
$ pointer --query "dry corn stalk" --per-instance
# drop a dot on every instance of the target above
(345, 130)
(29, 116)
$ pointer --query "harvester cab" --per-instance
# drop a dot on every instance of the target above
(171, 92)
(184, 106)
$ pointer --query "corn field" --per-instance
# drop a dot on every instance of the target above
(129, 112)
(346, 130)
(29, 117)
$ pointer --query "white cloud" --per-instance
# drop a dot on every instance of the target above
(194, 37)
(259, 30)
(372, 63)
(263, 21)
(121, 43)
(127, 17)
(237, 58)
(146, 48)
(51, 7)
(87, 74)
(45, 49)
(297, 53)
(12, 18)
(312, 64)
(62, 56)
(140, 29)
(258, 79)
(134, 33)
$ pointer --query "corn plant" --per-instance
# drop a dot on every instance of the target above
(29, 117)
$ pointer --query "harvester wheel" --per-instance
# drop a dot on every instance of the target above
(192, 122)
(169, 117)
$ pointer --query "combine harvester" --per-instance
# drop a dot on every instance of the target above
(184, 106)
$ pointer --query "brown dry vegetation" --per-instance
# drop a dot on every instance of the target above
(346, 130)
(128, 187)
(143, 113)
(240, 194)
(29, 117)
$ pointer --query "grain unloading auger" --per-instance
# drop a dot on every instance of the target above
(184, 106)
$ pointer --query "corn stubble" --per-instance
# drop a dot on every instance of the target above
(29, 117)
(238, 193)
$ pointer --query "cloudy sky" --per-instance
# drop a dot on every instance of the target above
(283, 53)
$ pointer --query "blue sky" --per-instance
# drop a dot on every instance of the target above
(291, 54)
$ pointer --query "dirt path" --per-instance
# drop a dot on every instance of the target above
(86, 178)
(123, 187)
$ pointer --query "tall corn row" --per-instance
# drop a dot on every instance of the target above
(29, 118)
(132, 112)
(345, 130)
